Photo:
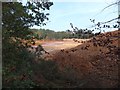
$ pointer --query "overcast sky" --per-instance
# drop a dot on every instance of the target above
(78, 12)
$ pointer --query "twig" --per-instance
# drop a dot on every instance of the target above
(106, 22)
(110, 5)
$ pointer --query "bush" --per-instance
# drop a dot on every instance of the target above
(48, 69)
(16, 65)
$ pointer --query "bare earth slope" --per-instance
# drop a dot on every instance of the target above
(96, 60)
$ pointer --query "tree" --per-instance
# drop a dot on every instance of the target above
(100, 25)
(81, 33)
(17, 61)
(18, 18)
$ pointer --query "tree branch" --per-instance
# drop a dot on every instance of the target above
(110, 5)
(106, 22)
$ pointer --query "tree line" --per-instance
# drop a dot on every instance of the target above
(55, 35)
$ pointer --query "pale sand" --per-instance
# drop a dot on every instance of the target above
(58, 45)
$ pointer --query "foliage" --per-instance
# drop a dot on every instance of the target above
(80, 33)
(55, 77)
(48, 69)
(19, 66)
(18, 18)
(97, 26)
(50, 34)
(17, 61)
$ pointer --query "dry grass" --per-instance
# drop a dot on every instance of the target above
(97, 63)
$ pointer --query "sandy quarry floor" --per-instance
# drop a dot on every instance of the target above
(58, 45)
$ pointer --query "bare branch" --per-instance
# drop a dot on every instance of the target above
(106, 22)
(110, 5)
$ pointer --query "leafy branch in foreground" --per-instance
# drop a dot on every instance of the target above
(18, 18)
(17, 61)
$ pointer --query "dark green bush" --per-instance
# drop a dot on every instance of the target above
(16, 62)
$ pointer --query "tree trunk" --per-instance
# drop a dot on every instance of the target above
(0, 45)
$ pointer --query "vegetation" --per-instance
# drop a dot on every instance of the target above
(17, 60)
(20, 70)
(50, 34)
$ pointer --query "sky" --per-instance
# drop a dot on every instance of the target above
(78, 12)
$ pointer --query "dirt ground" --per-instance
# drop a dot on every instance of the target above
(95, 60)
